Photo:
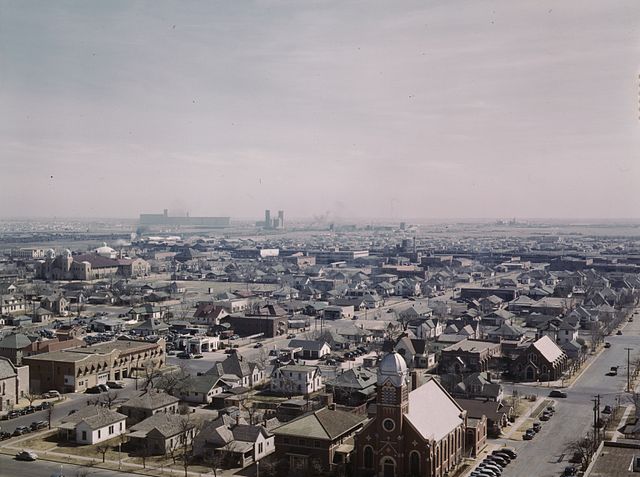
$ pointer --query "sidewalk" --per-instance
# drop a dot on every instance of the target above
(109, 464)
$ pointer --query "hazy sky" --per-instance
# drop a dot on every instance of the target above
(431, 109)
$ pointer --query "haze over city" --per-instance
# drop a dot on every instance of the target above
(349, 109)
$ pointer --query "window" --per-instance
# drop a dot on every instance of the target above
(368, 457)
(111, 429)
(260, 448)
(98, 433)
(84, 435)
(388, 425)
(120, 426)
(414, 463)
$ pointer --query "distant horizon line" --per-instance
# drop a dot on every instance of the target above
(348, 220)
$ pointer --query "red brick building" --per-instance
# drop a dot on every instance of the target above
(417, 433)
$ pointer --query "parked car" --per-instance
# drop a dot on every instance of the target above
(607, 344)
(93, 390)
(20, 430)
(619, 332)
(557, 394)
(501, 461)
(29, 410)
(528, 435)
(545, 416)
(13, 414)
(4, 436)
(184, 355)
(115, 384)
(37, 425)
(27, 456)
(607, 410)
(43, 405)
(103, 387)
(232, 351)
(258, 345)
(291, 335)
(537, 426)
(509, 451)
(570, 470)
(197, 356)
(51, 394)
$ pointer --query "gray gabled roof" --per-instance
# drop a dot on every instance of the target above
(15, 341)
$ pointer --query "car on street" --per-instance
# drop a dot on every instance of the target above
(198, 356)
(20, 430)
(509, 451)
(4, 436)
(37, 425)
(607, 345)
(501, 461)
(570, 470)
(13, 414)
(232, 351)
(27, 456)
(103, 387)
(258, 345)
(115, 384)
(51, 394)
(291, 335)
(528, 434)
(557, 394)
(93, 390)
(184, 355)
(43, 405)
(607, 410)
(536, 426)
(545, 416)
(29, 410)
(619, 332)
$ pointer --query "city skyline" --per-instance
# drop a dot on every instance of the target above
(337, 110)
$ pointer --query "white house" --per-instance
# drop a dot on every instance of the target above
(92, 425)
(296, 379)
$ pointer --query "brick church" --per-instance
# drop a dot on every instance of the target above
(413, 433)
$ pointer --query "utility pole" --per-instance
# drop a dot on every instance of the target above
(595, 422)
(628, 369)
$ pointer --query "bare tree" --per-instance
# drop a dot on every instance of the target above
(103, 448)
(217, 458)
(251, 408)
(581, 449)
(188, 432)
(31, 397)
(174, 383)
(109, 398)
(150, 374)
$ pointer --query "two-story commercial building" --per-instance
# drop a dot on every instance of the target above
(75, 370)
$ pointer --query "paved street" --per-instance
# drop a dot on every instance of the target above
(545, 455)
(9, 467)
(63, 408)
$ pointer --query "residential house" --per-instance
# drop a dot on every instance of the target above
(92, 425)
(353, 387)
(148, 403)
(311, 349)
(296, 379)
(239, 443)
(322, 440)
(416, 352)
(161, 433)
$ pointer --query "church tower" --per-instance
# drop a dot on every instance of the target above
(391, 406)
